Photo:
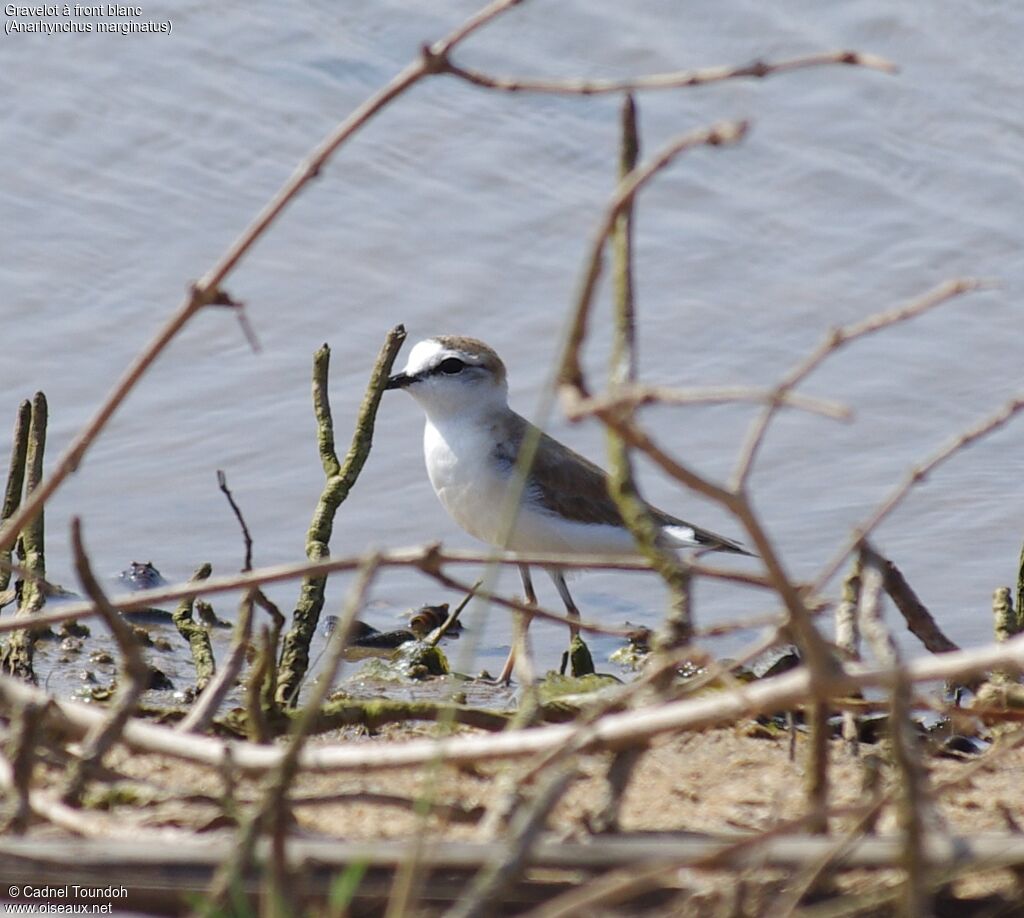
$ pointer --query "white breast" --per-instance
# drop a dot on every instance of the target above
(467, 481)
(473, 487)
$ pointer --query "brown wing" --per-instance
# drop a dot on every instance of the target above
(572, 486)
(560, 479)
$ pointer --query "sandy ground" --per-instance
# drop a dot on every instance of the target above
(723, 780)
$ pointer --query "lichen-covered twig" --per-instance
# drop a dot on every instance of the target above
(197, 636)
(15, 480)
(133, 682)
(1005, 626)
(1020, 590)
(340, 478)
(207, 704)
(17, 654)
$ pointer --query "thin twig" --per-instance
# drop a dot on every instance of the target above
(635, 513)
(570, 374)
(833, 341)
(526, 607)
(914, 477)
(222, 483)
(441, 630)
(914, 800)
(525, 830)
(812, 645)
(627, 396)
(269, 814)
(674, 80)
(24, 740)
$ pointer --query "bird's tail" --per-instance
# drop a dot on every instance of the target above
(692, 537)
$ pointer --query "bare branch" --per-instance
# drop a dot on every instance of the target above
(399, 557)
(919, 620)
(134, 675)
(222, 483)
(834, 340)
(615, 731)
(678, 79)
(570, 374)
(914, 477)
(620, 398)
(207, 290)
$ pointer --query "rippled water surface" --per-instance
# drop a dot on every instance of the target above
(129, 163)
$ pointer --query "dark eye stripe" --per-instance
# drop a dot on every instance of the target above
(451, 366)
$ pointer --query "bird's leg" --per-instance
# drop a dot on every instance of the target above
(570, 607)
(522, 625)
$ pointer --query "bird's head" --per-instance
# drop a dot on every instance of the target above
(451, 375)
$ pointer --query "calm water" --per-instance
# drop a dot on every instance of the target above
(130, 162)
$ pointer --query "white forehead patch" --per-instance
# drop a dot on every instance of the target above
(423, 355)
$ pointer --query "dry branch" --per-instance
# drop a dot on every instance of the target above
(833, 341)
(916, 475)
(269, 814)
(134, 676)
(621, 397)
(570, 373)
(207, 291)
(615, 731)
(678, 79)
(138, 862)
(635, 513)
(197, 637)
(222, 483)
(919, 620)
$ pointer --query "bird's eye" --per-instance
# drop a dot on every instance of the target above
(451, 366)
